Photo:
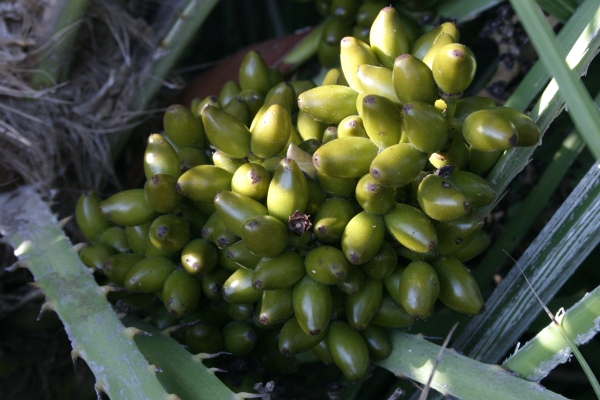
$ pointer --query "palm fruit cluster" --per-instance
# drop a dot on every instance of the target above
(287, 217)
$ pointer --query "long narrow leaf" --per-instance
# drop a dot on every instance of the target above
(464, 10)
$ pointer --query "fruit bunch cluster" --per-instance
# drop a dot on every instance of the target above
(327, 214)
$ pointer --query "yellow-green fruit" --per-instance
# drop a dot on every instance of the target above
(279, 272)
(137, 236)
(238, 338)
(203, 182)
(312, 305)
(95, 255)
(336, 187)
(161, 193)
(199, 256)
(377, 342)
(127, 208)
(235, 209)
(391, 314)
(239, 253)
(397, 165)
(363, 237)
(425, 126)
(424, 42)
(348, 157)
(211, 100)
(348, 350)
(227, 163)
(392, 282)
(352, 126)
(481, 162)
(331, 77)
(468, 105)
(169, 233)
(458, 288)
(382, 120)
(329, 104)
(440, 42)
(115, 237)
(476, 246)
(383, 263)
(378, 81)
(330, 134)
(182, 127)
(228, 92)
(455, 235)
(355, 280)
(454, 68)
(238, 288)
(326, 265)
(455, 152)
(478, 191)
(441, 200)
(160, 157)
(528, 131)
(316, 196)
(89, 219)
(413, 80)
(321, 350)
(181, 293)
(254, 73)
(487, 130)
(276, 306)
(419, 289)
(203, 337)
(238, 109)
(149, 275)
(353, 53)
(208, 228)
(265, 236)
(190, 157)
(310, 128)
(223, 236)
(387, 37)
(288, 191)
(362, 306)
(411, 228)
(310, 145)
(331, 219)
(239, 312)
(301, 86)
(225, 132)
(373, 196)
(251, 180)
(212, 282)
(271, 132)
(118, 266)
(293, 340)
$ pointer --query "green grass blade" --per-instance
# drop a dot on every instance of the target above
(582, 109)
(464, 10)
(559, 9)
(96, 333)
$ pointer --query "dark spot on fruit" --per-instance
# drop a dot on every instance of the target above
(223, 241)
(229, 254)
(257, 284)
(204, 232)
(407, 108)
(263, 319)
(372, 187)
(375, 173)
(286, 352)
(458, 241)
(513, 139)
(457, 53)
(251, 336)
(446, 185)
(155, 179)
(445, 171)
(316, 161)
(352, 123)
(341, 275)
(195, 265)
(354, 259)
(178, 187)
(214, 288)
(251, 224)
(314, 332)
(162, 231)
(322, 230)
(254, 177)
(87, 193)
(369, 100)
(107, 266)
(432, 245)
(402, 56)
(466, 205)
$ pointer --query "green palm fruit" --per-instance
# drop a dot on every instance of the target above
(397, 165)
(310, 128)
(336, 187)
(321, 350)
(331, 219)
(283, 94)
(190, 157)
(181, 293)
(127, 208)
(117, 267)
(348, 157)
(312, 305)
(182, 127)
(348, 350)
(355, 280)
(409, 226)
(362, 237)
(316, 196)
(455, 235)
(413, 80)
(440, 42)
(276, 306)
(169, 232)
(387, 37)
(223, 236)
(251, 180)
(361, 33)
(378, 81)
(382, 120)
(95, 255)
(481, 162)
(527, 130)
(474, 247)
(338, 299)
(254, 73)
(203, 182)
(152, 251)
(478, 191)
(235, 209)
(265, 236)
(329, 104)
(353, 53)
(279, 272)
(330, 134)
(239, 253)
(137, 236)
(238, 288)
(228, 134)
(419, 288)
(344, 10)
(239, 312)
(454, 68)
(293, 339)
(160, 157)
(377, 342)
(487, 130)
(225, 261)
(309, 146)
(425, 126)
(195, 214)
(326, 265)
(301, 85)
(368, 11)
(252, 99)
(392, 282)
(458, 288)
(455, 152)
(383, 263)
(441, 200)
(352, 126)
(228, 92)
(149, 275)
(212, 282)
(203, 337)
(89, 219)
(288, 191)
(331, 77)
(391, 314)
(468, 105)
(238, 109)
(211, 100)
(362, 306)
(329, 54)
(238, 338)
(161, 193)
(423, 43)
(199, 256)
(374, 197)
(208, 228)
(227, 163)
(275, 75)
